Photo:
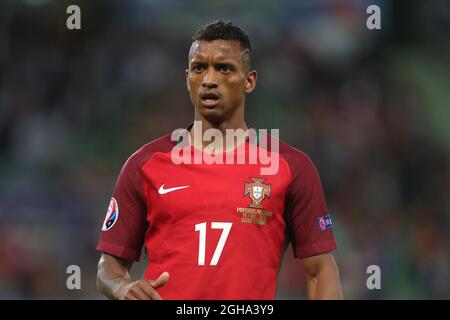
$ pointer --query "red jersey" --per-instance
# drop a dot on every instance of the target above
(218, 229)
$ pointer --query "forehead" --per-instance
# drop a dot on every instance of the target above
(226, 49)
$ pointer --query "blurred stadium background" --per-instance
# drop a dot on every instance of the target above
(371, 108)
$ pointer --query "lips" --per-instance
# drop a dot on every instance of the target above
(209, 98)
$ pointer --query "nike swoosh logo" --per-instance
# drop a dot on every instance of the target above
(161, 189)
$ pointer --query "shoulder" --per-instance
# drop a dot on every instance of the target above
(296, 159)
(292, 154)
(305, 178)
(143, 155)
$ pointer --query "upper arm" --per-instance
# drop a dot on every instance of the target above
(111, 273)
(112, 262)
(322, 277)
(315, 265)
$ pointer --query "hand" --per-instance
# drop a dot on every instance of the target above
(142, 289)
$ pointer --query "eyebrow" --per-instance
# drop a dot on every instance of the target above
(224, 62)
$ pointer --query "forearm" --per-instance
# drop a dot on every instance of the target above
(112, 277)
(325, 285)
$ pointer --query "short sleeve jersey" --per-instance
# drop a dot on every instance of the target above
(220, 230)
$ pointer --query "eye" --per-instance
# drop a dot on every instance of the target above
(225, 68)
(198, 68)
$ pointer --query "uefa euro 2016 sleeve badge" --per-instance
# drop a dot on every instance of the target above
(112, 215)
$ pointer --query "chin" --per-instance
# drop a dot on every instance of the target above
(213, 116)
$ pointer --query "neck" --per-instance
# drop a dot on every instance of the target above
(232, 123)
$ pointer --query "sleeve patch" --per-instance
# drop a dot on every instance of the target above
(112, 215)
(325, 223)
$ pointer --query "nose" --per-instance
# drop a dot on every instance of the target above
(209, 80)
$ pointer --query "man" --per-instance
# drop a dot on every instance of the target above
(218, 230)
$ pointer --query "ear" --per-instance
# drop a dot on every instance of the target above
(187, 80)
(250, 81)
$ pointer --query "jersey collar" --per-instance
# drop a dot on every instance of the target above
(189, 127)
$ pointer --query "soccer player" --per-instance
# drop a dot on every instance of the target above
(218, 230)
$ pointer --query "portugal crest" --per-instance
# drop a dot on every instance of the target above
(257, 191)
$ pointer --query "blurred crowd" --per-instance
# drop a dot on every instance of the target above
(371, 108)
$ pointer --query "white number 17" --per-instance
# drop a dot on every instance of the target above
(201, 227)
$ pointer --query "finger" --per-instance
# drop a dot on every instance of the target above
(161, 281)
(139, 293)
(149, 290)
(130, 296)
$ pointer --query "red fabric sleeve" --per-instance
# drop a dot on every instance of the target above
(125, 238)
(305, 204)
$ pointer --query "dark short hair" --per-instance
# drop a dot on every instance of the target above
(224, 30)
